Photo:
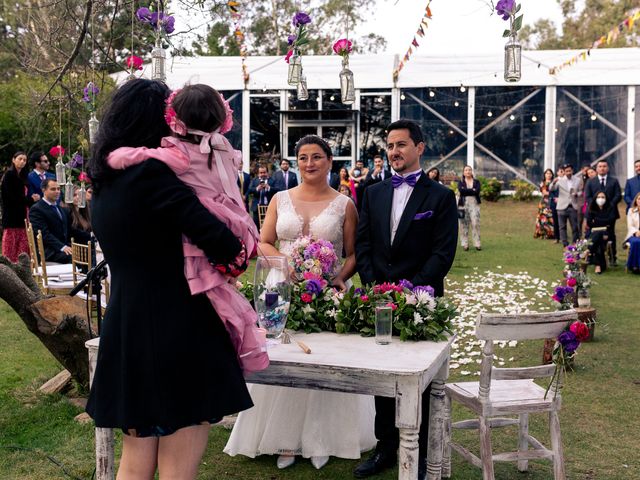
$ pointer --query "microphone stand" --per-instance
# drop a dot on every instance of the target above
(93, 277)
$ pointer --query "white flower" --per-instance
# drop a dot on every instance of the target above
(308, 309)
(423, 297)
(332, 313)
(465, 372)
(417, 318)
(411, 299)
(309, 263)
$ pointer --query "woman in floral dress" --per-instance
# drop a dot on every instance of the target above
(544, 218)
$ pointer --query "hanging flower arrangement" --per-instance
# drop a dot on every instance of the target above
(134, 63)
(296, 41)
(161, 22)
(343, 47)
(508, 9)
(57, 151)
(89, 96)
(565, 351)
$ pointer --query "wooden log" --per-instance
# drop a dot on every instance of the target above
(587, 315)
(57, 383)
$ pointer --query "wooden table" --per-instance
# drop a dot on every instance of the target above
(353, 364)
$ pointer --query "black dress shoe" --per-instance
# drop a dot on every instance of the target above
(380, 460)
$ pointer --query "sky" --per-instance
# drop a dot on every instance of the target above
(457, 26)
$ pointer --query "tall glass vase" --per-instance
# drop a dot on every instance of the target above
(158, 61)
(272, 294)
(61, 174)
(295, 69)
(303, 92)
(82, 196)
(94, 124)
(512, 60)
(347, 86)
(68, 191)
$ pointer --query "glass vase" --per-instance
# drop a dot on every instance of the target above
(158, 61)
(347, 86)
(68, 191)
(272, 294)
(303, 92)
(82, 196)
(584, 300)
(94, 124)
(61, 174)
(512, 60)
(295, 69)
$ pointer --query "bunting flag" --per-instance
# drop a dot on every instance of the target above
(610, 37)
(414, 43)
(234, 10)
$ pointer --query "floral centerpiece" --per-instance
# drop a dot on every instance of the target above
(565, 350)
(575, 270)
(296, 41)
(563, 295)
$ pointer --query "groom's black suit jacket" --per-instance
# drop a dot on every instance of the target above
(423, 249)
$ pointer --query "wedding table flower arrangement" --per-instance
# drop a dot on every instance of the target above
(565, 349)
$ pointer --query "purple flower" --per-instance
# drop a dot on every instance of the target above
(300, 19)
(314, 287)
(426, 288)
(76, 160)
(291, 38)
(358, 291)
(143, 14)
(504, 8)
(89, 92)
(169, 25)
(569, 342)
(406, 284)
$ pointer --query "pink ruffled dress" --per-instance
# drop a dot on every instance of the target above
(217, 190)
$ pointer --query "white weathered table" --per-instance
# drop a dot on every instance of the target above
(354, 364)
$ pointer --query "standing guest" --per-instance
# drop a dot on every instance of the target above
(608, 184)
(262, 189)
(158, 342)
(39, 174)
(544, 220)
(633, 235)
(15, 205)
(359, 175)
(284, 178)
(333, 179)
(407, 230)
(345, 179)
(378, 174)
(244, 180)
(569, 190)
(434, 174)
(632, 188)
(601, 219)
(53, 221)
(582, 211)
(469, 202)
(553, 202)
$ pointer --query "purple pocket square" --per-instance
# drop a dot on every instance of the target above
(427, 214)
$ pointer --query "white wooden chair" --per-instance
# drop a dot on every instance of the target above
(509, 391)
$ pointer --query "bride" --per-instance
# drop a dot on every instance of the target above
(291, 421)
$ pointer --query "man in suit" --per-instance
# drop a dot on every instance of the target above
(603, 182)
(262, 189)
(39, 174)
(378, 174)
(47, 217)
(284, 178)
(244, 180)
(632, 188)
(569, 190)
(408, 229)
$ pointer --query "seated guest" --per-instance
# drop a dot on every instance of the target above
(633, 235)
(601, 217)
(262, 189)
(80, 220)
(39, 174)
(47, 217)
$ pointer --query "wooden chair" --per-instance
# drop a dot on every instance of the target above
(33, 254)
(509, 391)
(81, 261)
(61, 287)
(262, 212)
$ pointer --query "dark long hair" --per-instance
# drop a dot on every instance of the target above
(22, 174)
(593, 206)
(134, 118)
(437, 177)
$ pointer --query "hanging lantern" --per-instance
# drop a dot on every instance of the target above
(347, 87)
(303, 93)
(295, 68)
(512, 60)
(61, 175)
(68, 191)
(94, 124)
(82, 196)
(158, 61)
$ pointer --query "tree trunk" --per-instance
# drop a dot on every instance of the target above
(60, 323)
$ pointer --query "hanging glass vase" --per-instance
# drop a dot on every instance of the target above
(82, 196)
(347, 87)
(303, 92)
(94, 124)
(272, 294)
(584, 300)
(512, 60)
(158, 61)
(61, 174)
(68, 191)
(295, 69)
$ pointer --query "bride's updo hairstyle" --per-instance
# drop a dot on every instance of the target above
(314, 140)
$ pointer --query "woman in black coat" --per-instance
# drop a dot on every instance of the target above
(601, 216)
(469, 208)
(166, 366)
(15, 204)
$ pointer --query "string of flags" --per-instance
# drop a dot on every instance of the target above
(424, 24)
(236, 16)
(611, 36)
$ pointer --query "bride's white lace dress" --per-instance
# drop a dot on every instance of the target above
(311, 423)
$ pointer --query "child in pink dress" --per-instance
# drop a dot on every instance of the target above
(204, 159)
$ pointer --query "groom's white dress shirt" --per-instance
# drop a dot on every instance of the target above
(400, 198)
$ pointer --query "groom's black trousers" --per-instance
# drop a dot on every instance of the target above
(385, 424)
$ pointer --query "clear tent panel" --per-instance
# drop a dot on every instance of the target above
(442, 115)
(265, 127)
(509, 133)
(591, 124)
(375, 116)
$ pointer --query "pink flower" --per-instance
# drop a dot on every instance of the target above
(227, 125)
(343, 47)
(57, 151)
(134, 62)
(364, 298)
(393, 306)
(83, 177)
(288, 56)
(571, 282)
(306, 298)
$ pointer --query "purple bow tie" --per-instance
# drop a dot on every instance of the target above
(410, 180)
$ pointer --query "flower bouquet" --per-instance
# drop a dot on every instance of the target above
(313, 260)
(564, 352)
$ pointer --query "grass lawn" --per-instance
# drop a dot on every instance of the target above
(600, 419)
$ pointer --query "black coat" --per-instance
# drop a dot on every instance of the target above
(422, 251)
(334, 180)
(14, 199)
(165, 358)
(278, 179)
(611, 190)
(55, 230)
(604, 217)
(371, 180)
(474, 191)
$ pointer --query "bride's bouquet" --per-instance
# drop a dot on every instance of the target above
(314, 259)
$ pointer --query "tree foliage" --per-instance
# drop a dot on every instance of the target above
(584, 22)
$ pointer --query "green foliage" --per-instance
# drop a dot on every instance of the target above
(523, 190)
(490, 188)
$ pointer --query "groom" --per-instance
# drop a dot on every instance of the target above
(408, 229)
